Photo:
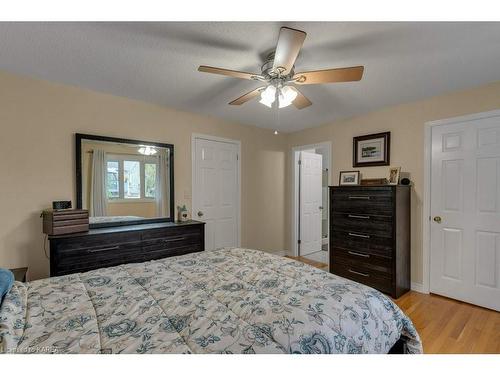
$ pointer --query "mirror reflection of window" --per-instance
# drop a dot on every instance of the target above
(135, 182)
(125, 178)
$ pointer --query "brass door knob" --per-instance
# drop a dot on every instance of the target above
(437, 219)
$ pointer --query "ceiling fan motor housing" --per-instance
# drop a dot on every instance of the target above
(269, 73)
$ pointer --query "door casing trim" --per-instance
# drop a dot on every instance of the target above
(194, 137)
(426, 215)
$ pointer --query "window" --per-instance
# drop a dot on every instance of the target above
(131, 178)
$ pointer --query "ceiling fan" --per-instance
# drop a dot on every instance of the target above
(279, 78)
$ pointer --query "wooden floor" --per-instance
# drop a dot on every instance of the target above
(313, 263)
(446, 325)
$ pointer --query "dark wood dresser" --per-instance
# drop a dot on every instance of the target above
(370, 236)
(106, 247)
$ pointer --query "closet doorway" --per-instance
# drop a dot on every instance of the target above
(311, 169)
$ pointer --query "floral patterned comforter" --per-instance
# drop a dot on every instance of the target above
(224, 301)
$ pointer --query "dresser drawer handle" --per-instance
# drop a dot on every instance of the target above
(358, 216)
(359, 254)
(366, 197)
(173, 239)
(359, 273)
(103, 249)
(359, 235)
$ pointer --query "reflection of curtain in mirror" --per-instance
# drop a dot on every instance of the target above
(98, 184)
(162, 184)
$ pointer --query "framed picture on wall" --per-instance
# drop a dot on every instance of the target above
(349, 178)
(371, 150)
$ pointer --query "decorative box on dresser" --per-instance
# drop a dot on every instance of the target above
(370, 236)
(111, 246)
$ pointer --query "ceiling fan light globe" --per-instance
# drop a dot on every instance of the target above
(266, 102)
(288, 94)
(284, 103)
(268, 94)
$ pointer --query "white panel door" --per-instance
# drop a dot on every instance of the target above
(465, 195)
(311, 173)
(216, 192)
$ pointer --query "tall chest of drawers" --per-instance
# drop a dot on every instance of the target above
(370, 236)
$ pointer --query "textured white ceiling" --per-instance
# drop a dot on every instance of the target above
(157, 62)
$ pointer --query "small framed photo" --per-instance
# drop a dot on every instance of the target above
(394, 175)
(371, 150)
(349, 178)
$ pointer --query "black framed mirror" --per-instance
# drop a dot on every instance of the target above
(124, 181)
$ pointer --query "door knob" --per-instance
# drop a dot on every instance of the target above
(320, 207)
(437, 219)
(200, 214)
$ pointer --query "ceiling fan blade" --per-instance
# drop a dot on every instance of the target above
(228, 72)
(300, 101)
(289, 44)
(329, 75)
(248, 96)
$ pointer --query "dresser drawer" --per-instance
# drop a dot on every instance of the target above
(159, 251)
(359, 258)
(366, 276)
(376, 201)
(158, 246)
(381, 226)
(174, 233)
(85, 264)
(79, 245)
(102, 256)
(361, 241)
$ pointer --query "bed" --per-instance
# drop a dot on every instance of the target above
(224, 301)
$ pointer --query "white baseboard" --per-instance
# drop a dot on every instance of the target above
(280, 253)
(417, 287)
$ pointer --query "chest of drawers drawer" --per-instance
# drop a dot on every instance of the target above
(362, 201)
(362, 241)
(381, 226)
(356, 272)
(368, 261)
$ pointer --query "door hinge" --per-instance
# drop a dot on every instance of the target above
(299, 242)
(300, 162)
(237, 157)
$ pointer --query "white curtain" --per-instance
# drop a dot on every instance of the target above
(162, 184)
(98, 184)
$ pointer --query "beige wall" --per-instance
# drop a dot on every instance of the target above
(406, 124)
(38, 120)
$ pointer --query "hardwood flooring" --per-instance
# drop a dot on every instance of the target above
(446, 325)
(449, 326)
(322, 266)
